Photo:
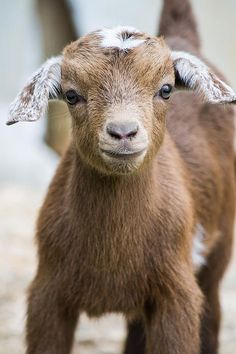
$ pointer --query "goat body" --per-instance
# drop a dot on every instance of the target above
(148, 236)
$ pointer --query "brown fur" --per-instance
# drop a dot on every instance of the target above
(177, 20)
(115, 238)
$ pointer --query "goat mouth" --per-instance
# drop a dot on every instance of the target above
(123, 155)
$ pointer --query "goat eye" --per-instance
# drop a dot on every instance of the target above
(165, 91)
(72, 97)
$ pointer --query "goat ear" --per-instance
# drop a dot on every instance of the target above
(192, 73)
(31, 102)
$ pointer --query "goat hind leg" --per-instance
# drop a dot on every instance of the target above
(209, 279)
(135, 341)
(210, 323)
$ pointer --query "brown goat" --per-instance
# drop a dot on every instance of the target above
(139, 216)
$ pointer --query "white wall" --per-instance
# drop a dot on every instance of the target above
(217, 25)
(20, 49)
(94, 14)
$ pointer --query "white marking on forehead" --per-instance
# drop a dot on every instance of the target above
(112, 37)
(199, 248)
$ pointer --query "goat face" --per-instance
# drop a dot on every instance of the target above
(114, 96)
(116, 83)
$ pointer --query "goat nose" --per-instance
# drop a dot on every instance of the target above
(122, 130)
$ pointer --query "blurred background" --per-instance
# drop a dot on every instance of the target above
(32, 30)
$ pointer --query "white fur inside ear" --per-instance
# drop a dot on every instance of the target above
(30, 104)
(121, 37)
(197, 76)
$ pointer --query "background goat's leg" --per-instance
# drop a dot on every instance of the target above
(174, 326)
(209, 279)
(50, 322)
(210, 323)
(135, 341)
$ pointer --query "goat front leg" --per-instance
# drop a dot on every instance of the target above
(50, 320)
(173, 320)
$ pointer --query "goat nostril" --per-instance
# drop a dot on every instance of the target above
(120, 131)
(132, 133)
(114, 133)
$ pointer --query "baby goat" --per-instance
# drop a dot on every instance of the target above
(139, 216)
